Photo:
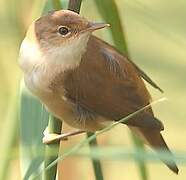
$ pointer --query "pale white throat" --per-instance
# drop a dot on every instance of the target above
(41, 61)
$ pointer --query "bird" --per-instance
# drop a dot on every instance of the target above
(85, 81)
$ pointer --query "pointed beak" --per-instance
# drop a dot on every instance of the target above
(92, 26)
(96, 25)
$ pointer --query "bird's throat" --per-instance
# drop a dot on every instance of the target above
(67, 55)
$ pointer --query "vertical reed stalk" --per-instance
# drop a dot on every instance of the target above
(54, 126)
(96, 163)
(52, 150)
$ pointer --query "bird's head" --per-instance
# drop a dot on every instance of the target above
(58, 37)
(64, 28)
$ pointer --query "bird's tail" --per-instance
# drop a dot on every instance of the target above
(154, 139)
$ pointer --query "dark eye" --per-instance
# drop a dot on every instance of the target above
(63, 30)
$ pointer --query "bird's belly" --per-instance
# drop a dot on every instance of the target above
(67, 111)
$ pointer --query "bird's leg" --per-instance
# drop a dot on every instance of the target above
(50, 138)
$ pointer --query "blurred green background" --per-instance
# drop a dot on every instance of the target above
(156, 38)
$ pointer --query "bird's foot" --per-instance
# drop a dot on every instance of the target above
(50, 138)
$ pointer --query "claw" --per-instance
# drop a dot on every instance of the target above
(50, 138)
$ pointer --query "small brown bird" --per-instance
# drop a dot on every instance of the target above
(85, 81)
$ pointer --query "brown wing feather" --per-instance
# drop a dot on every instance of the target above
(139, 70)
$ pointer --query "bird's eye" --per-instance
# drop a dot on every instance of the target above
(63, 30)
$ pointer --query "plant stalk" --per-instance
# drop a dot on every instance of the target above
(96, 162)
(52, 150)
(54, 126)
(74, 5)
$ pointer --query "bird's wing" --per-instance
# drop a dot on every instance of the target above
(107, 85)
(139, 70)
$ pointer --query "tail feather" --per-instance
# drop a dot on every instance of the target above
(156, 141)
